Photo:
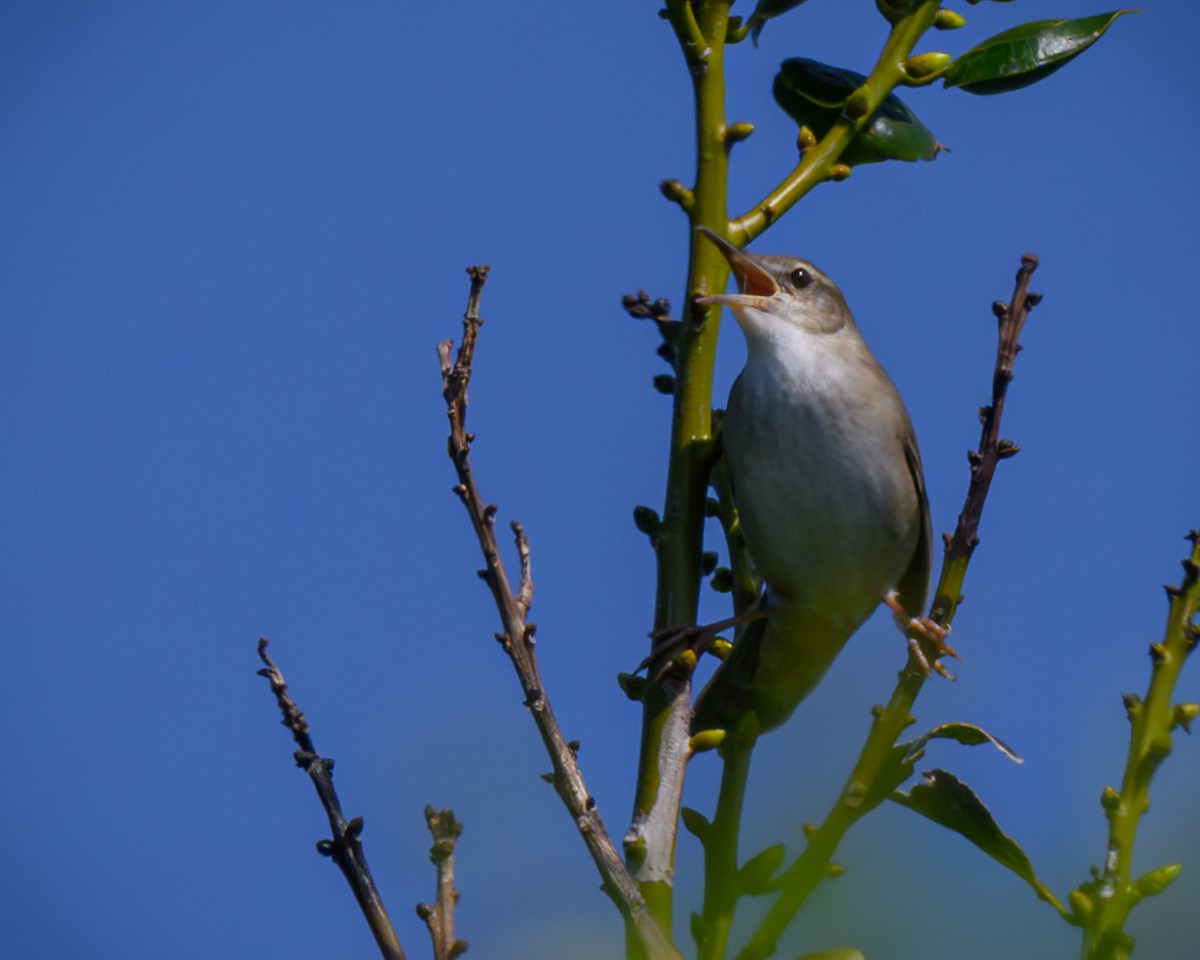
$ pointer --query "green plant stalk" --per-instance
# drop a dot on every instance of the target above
(701, 30)
(1114, 893)
(856, 800)
(817, 163)
(721, 883)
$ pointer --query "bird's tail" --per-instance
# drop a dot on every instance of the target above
(774, 665)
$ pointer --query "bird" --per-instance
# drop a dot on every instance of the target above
(827, 480)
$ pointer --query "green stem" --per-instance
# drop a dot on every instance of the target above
(856, 799)
(721, 884)
(701, 30)
(817, 163)
(1114, 893)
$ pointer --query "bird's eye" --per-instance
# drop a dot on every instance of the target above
(800, 278)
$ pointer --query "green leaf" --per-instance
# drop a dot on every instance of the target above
(756, 874)
(813, 95)
(1026, 54)
(768, 10)
(965, 733)
(947, 801)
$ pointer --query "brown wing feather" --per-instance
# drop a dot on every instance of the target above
(914, 582)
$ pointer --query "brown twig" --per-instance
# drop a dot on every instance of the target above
(345, 848)
(517, 638)
(439, 918)
(961, 544)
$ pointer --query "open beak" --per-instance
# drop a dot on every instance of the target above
(754, 281)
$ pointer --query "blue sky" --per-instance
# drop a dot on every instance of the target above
(232, 234)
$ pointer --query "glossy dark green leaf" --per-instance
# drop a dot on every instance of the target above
(768, 10)
(947, 801)
(1026, 54)
(813, 93)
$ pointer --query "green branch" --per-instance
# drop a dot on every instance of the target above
(1104, 902)
(819, 162)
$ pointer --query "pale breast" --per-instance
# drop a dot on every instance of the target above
(815, 445)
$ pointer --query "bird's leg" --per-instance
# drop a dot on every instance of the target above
(917, 629)
(669, 644)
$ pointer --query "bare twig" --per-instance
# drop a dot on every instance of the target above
(517, 638)
(439, 918)
(345, 848)
(992, 449)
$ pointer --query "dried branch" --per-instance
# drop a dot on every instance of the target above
(345, 848)
(992, 449)
(517, 638)
(439, 918)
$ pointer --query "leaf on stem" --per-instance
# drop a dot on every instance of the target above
(1026, 54)
(757, 875)
(965, 733)
(768, 10)
(947, 801)
(814, 95)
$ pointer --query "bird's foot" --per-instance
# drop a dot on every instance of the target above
(918, 629)
(683, 644)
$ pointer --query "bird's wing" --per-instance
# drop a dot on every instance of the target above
(914, 581)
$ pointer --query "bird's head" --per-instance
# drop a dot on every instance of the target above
(775, 290)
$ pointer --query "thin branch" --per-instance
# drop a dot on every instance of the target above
(1010, 320)
(345, 848)
(445, 828)
(1104, 902)
(869, 783)
(517, 638)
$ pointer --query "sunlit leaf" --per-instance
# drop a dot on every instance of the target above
(1025, 54)
(947, 801)
(965, 733)
(813, 94)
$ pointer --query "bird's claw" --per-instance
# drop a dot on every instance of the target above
(918, 629)
(681, 647)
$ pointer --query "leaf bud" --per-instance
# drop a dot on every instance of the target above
(1185, 713)
(695, 822)
(633, 687)
(721, 648)
(703, 741)
(1157, 880)
(737, 132)
(646, 520)
(1110, 800)
(1081, 904)
(927, 66)
(839, 172)
(664, 383)
(676, 192)
(1133, 704)
(948, 20)
(858, 104)
(722, 580)
(708, 562)
(806, 139)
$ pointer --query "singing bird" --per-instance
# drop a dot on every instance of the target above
(827, 483)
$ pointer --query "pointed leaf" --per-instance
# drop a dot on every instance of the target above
(965, 733)
(946, 800)
(1025, 54)
(768, 10)
(813, 94)
(756, 874)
